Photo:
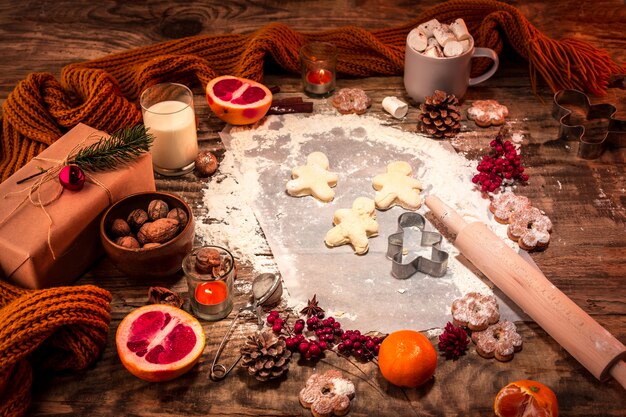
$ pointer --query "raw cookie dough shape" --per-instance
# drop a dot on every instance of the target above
(327, 394)
(397, 187)
(313, 179)
(354, 225)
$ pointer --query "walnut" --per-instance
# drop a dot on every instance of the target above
(207, 259)
(120, 228)
(137, 218)
(143, 240)
(180, 215)
(128, 242)
(159, 231)
(157, 209)
(206, 164)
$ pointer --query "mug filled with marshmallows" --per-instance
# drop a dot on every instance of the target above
(439, 57)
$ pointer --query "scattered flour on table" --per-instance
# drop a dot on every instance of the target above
(280, 143)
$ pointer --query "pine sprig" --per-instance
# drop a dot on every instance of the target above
(122, 146)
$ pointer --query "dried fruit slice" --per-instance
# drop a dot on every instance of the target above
(238, 101)
(526, 398)
(159, 342)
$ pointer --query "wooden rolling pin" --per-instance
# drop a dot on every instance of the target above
(583, 337)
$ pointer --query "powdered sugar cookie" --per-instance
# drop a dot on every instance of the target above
(354, 226)
(397, 187)
(487, 113)
(500, 340)
(327, 394)
(530, 228)
(506, 204)
(475, 311)
(313, 179)
(351, 100)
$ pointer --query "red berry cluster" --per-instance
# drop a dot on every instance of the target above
(328, 333)
(502, 164)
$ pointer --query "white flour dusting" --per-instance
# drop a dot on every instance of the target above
(251, 180)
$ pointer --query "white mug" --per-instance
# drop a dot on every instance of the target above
(424, 74)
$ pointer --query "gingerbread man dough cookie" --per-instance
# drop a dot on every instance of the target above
(313, 179)
(327, 394)
(487, 113)
(354, 226)
(397, 187)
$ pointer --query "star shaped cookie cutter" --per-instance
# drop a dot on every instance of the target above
(589, 148)
(436, 265)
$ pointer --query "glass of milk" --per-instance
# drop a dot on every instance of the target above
(169, 115)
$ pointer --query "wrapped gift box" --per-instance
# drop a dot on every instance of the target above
(37, 251)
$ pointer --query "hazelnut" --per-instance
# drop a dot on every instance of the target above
(207, 259)
(120, 228)
(157, 209)
(137, 218)
(206, 164)
(178, 214)
(128, 242)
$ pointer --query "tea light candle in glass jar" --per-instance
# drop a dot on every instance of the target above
(318, 61)
(169, 115)
(210, 271)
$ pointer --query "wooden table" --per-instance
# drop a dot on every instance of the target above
(585, 199)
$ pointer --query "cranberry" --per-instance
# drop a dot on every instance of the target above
(303, 347)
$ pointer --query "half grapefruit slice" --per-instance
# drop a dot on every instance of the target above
(238, 101)
(159, 342)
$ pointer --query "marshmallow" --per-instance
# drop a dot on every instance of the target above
(427, 28)
(460, 30)
(432, 42)
(453, 48)
(417, 40)
(396, 107)
(443, 34)
(433, 52)
(466, 44)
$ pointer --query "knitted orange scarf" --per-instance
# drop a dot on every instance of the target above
(58, 328)
(102, 93)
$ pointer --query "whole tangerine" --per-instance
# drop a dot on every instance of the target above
(526, 398)
(407, 358)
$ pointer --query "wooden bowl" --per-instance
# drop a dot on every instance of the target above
(163, 260)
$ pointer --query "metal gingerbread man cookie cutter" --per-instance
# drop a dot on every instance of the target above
(436, 265)
(590, 148)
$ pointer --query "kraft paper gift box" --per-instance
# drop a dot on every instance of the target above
(27, 257)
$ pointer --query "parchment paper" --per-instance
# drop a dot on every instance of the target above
(358, 289)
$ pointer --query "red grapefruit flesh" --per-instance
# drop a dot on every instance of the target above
(238, 101)
(159, 342)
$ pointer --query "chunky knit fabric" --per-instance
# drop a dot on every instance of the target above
(103, 93)
(57, 328)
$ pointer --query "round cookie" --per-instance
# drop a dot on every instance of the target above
(506, 204)
(327, 394)
(530, 228)
(487, 113)
(351, 100)
(499, 340)
(475, 311)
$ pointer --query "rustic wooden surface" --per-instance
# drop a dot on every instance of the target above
(585, 199)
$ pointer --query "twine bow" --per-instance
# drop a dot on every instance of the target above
(47, 175)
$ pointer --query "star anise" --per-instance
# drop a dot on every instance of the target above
(312, 309)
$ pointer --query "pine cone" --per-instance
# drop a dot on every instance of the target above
(439, 115)
(265, 355)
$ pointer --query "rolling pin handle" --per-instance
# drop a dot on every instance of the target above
(618, 371)
(450, 218)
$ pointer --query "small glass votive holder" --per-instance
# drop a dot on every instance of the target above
(169, 115)
(318, 61)
(210, 288)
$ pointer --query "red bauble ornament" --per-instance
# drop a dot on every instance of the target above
(72, 177)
